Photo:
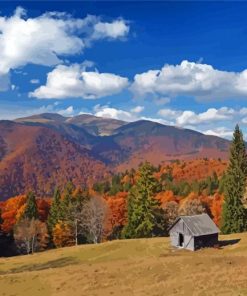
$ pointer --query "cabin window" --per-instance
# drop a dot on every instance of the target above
(181, 240)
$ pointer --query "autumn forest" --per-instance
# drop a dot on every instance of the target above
(136, 203)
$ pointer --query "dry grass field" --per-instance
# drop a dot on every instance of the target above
(128, 267)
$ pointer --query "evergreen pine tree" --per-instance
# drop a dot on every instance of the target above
(54, 213)
(144, 219)
(234, 213)
(215, 180)
(210, 186)
(69, 189)
(222, 183)
(31, 210)
(66, 201)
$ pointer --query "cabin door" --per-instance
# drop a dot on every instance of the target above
(181, 240)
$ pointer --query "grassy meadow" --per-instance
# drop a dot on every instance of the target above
(128, 267)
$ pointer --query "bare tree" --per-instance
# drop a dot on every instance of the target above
(171, 212)
(192, 207)
(31, 235)
(92, 219)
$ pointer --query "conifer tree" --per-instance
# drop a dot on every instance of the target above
(66, 201)
(54, 214)
(31, 210)
(234, 213)
(144, 219)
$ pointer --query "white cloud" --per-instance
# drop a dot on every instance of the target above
(129, 116)
(34, 81)
(219, 132)
(201, 81)
(212, 114)
(109, 112)
(116, 29)
(137, 109)
(169, 113)
(188, 117)
(43, 40)
(208, 122)
(67, 112)
(74, 82)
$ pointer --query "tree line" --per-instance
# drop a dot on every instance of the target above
(74, 217)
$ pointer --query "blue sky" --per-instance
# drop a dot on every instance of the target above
(179, 63)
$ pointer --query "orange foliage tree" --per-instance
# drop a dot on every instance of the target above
(165, 196)
(63, 235)
(117, 212)
(216, 208)
(43, 205)
(12, 209)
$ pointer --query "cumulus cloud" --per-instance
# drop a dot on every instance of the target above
(109, 112)
(116, 29)
(188, 117)
(212, 114)
(203, 122)
(45, 39)
(129, 116)
(201, 81)
(169, 113)
(219, 132)
(137, 109)
(67, 112)
(218, 122)
(75, 82)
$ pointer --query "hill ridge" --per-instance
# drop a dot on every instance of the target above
(90, 150)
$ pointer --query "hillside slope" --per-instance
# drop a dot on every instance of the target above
(134, 267)
(145, 140)
(198, 169)
(124, 145)
(47, 150)
(38, 158)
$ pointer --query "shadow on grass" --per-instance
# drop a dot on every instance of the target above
(62, 262)
(224, 243)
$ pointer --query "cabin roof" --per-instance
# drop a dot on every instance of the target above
(198, 225)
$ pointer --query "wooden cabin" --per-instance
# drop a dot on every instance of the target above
(194, 232)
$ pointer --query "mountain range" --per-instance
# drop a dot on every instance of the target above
(46, 150)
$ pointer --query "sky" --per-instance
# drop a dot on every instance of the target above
(177, 63)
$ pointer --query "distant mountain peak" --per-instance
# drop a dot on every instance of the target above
(43, 117)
